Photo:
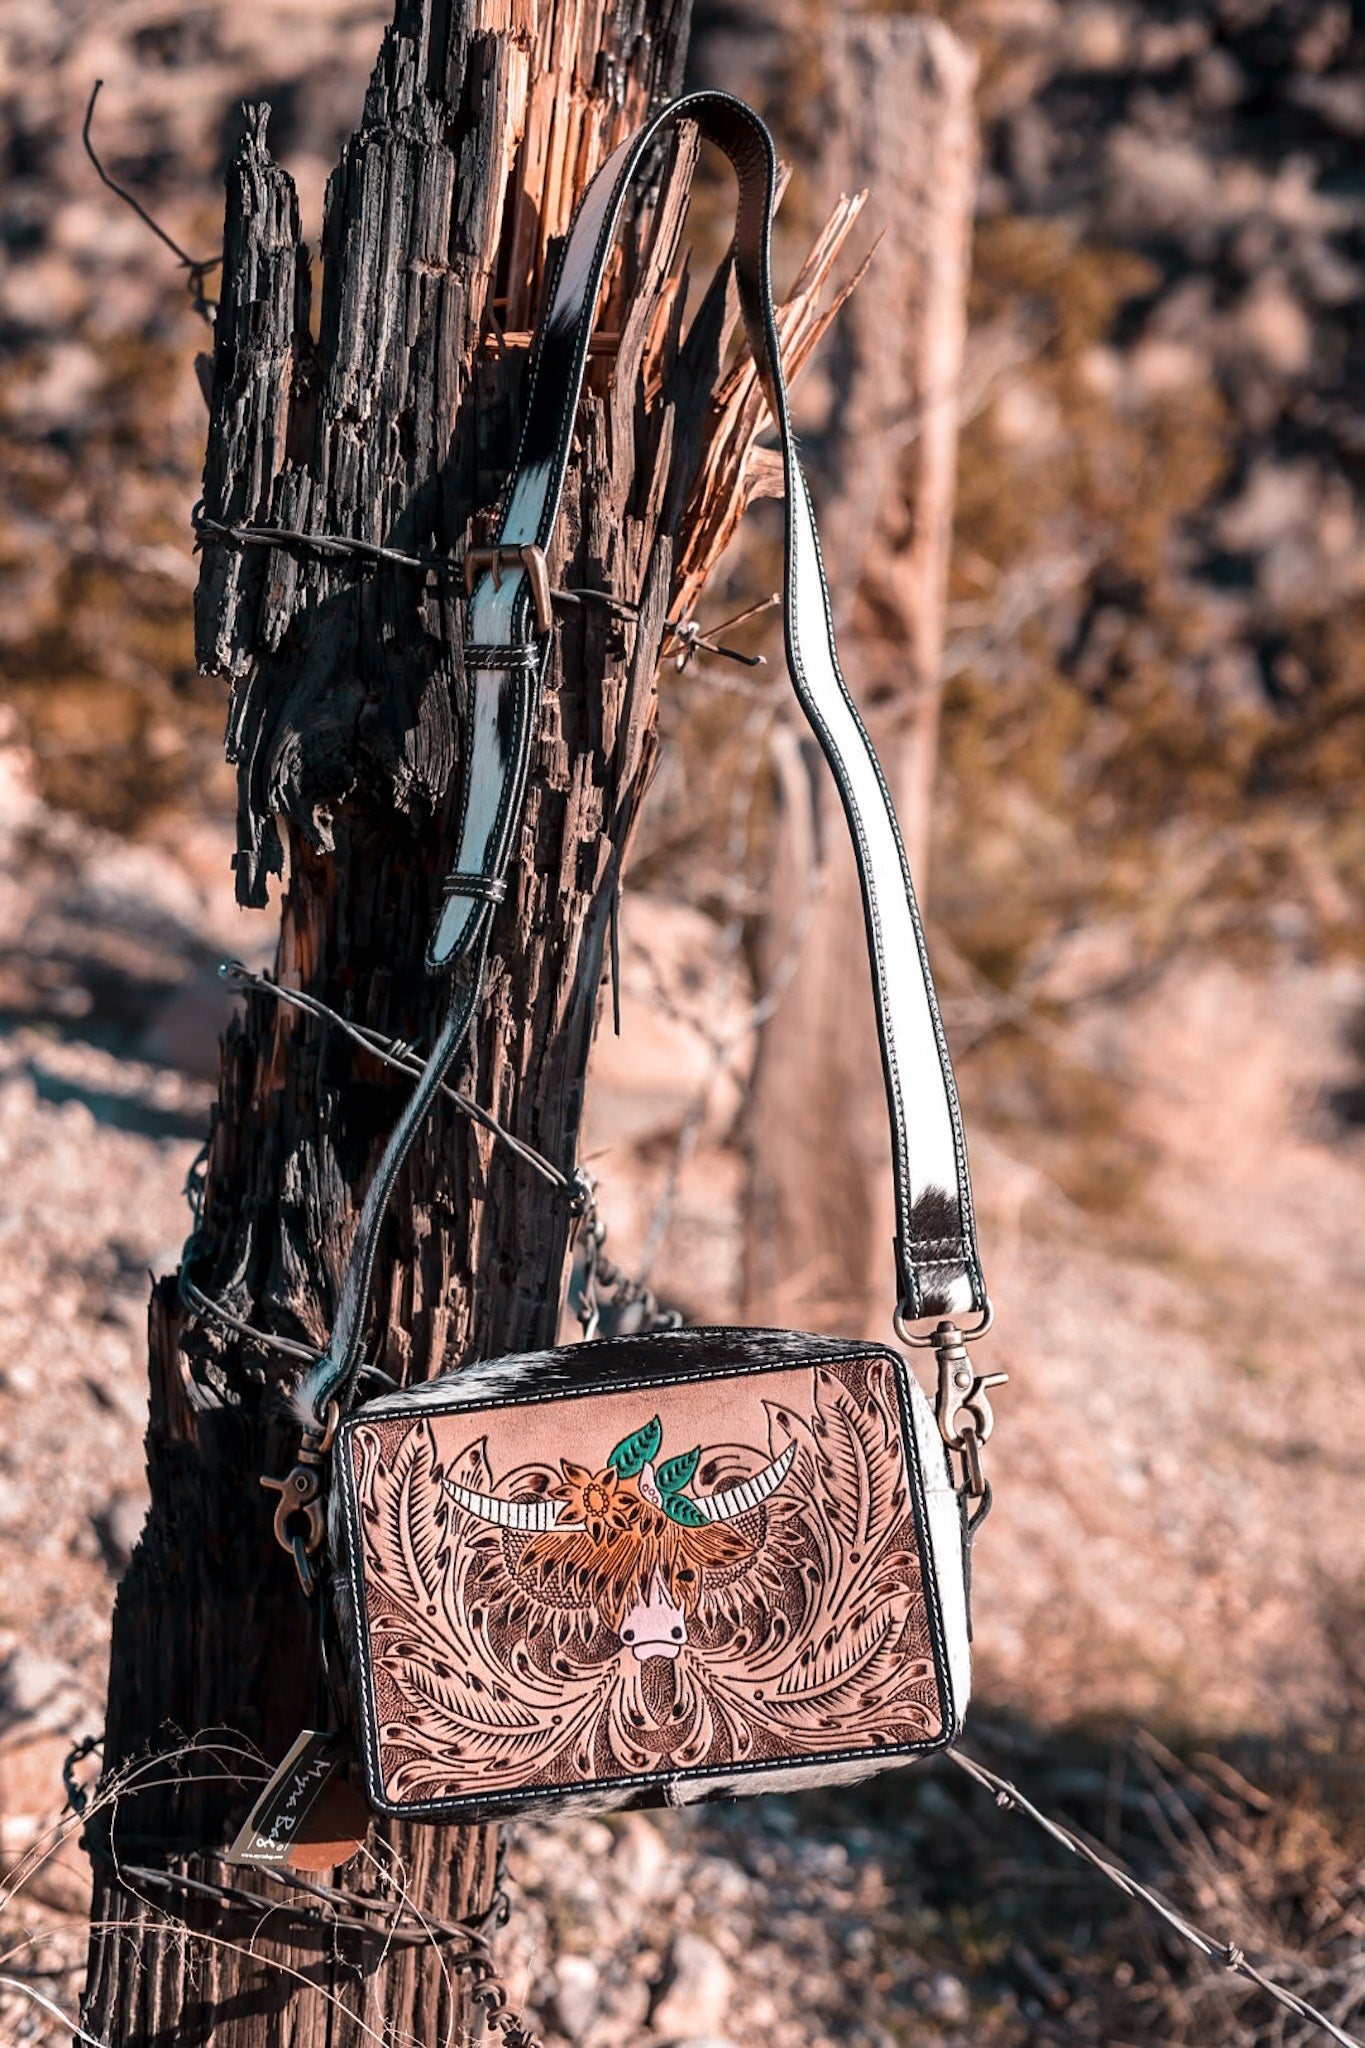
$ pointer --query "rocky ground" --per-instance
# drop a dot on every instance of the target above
(1162, 1067)
(1183, 1425)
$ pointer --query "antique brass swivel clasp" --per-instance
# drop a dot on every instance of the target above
(299, 1522)
(962, 1406)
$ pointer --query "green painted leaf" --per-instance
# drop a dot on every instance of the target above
(679, 1508)
(633, 1453)
(674, 1475)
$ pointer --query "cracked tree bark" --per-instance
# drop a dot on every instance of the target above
(392, 422)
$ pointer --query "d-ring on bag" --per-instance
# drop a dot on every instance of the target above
(650, 1569)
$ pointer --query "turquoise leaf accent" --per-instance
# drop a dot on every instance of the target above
(679, 1508)
(633, 1453)
(674, 1475)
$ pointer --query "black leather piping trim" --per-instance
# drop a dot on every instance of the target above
(473, 1805)
(966, 1250)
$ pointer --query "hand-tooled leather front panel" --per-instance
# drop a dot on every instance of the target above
(695, 1578)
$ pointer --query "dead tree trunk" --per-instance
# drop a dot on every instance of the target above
(392, 424)
(899, 121)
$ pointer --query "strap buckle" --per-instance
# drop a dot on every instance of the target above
(300, 1494)
(531, 559)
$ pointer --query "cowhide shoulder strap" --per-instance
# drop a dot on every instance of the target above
(509, 633)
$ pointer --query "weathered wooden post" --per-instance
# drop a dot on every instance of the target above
(391, 426)
(899, 122)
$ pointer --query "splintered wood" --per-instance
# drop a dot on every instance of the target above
(733, 469)
(390, 418)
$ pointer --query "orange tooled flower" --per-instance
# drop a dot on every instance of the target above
(602, 1501)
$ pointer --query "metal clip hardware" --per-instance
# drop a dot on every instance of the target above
(531, 559)
(300, 1494)
(962, 1405)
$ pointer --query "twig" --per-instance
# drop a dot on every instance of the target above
(49, 2006)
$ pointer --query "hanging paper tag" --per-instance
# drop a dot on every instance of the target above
(287, 1825)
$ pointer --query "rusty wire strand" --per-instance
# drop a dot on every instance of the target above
(393, 1052)
(196, 268)
(694, 638)
(341, 545)
(346, 546)
(338, 1909)
(577, 1185)
(1232, 1958)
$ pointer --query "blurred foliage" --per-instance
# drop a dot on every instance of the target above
(1191, 814)
(1259, 1841)
(99, 658)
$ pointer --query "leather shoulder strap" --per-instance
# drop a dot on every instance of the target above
(937, 1264)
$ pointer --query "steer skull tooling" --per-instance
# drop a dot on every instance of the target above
(630, 1539)
(537, 1619)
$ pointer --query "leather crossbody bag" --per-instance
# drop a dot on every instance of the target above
(652, 1569)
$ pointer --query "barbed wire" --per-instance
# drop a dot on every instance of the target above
(576, 1185)
(390, 1921)
(1232, 1958)
(404, 1059)
(196, 268)
(398, 1920)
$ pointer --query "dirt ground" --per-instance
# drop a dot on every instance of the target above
(1177, 1462)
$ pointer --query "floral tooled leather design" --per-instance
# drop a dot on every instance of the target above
(552, 1600)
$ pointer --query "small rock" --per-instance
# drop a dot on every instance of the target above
(118, 1525)
(44, 294)
(641, 1857)
(1160, 367)
(575, 1995)
(622, 2015)
(593, 1838)
(62, 390)
(1273, 323)
(1099, 38)
(39, 1696)
(697, 1990)
(945, 1996)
